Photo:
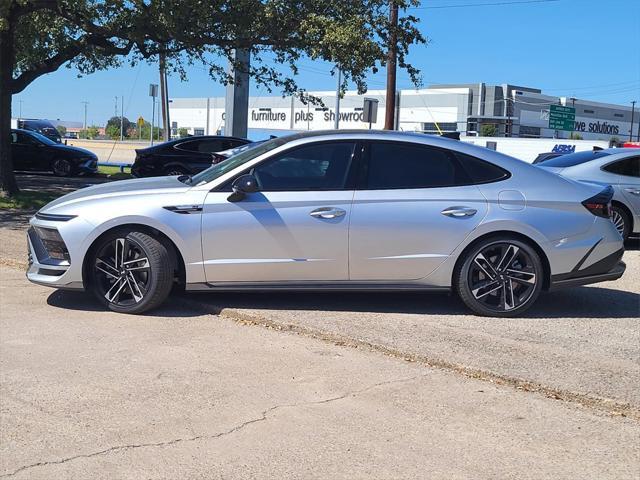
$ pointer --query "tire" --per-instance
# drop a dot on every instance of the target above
(175, 170)
(135, 281)
(499, 277)
(63, 168)
(621, 220)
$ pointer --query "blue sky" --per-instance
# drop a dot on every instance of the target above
(584, 48)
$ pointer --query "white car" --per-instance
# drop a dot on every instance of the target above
(618, 167)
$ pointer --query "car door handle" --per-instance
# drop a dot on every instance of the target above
(632, 191)
(459, 212)
(327, 212)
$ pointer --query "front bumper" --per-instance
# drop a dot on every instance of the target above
(48, 271)
(88, 166)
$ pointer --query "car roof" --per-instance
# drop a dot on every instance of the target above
(204, 137)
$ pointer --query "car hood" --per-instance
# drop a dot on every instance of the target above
(132, 187)
(76, 151)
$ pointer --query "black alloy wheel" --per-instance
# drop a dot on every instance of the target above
(131, 272)
(63, 168)
(500, 277)
(620, 219)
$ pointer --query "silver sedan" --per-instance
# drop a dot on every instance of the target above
(338, 211)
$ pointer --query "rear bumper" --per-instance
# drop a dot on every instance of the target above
(609, 268)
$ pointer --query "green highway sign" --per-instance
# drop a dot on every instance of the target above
(561, 117)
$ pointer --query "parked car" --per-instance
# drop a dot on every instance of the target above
(543, 157)
(336, 211)
(617, 167)
(223, 155)
(32, 151)
(183, 156)
(43, 127)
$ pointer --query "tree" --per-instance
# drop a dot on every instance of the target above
(575, 136)
(39, 36)
(92, 132)
(183, 132)
(113, 127)
(488, 130)
(62, 130)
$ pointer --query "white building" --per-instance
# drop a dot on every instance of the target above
(508, 110)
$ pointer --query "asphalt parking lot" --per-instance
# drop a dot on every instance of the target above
(317, 386)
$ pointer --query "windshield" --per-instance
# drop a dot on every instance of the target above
(41, 138)
(572, 159)
(219, 169)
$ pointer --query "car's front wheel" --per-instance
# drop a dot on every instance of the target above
(131, 272)
(63, 168)
(499, 277)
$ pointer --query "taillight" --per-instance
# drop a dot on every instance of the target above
(600, 204)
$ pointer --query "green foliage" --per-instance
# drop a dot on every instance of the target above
(183, 132)
(39, 36)
(113, 127)
(92, 132)
(93, 36)
(62, 130)
(488, 130)
(575, 136)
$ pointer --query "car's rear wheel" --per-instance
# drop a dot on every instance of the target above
(621, 220)
(63, 168)
(131, 272)
(500, 277)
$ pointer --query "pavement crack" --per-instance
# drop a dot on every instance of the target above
(261, 418)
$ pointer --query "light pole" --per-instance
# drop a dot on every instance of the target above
(85, 115)
(20, 111)
(336, 122)
(633, 111)
(122, 118)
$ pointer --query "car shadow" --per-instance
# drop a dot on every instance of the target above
(579, 302)
(84, 301)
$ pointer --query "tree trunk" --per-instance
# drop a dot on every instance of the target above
(8, 184)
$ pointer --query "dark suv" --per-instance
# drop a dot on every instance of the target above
(187, 156)
(43, 127)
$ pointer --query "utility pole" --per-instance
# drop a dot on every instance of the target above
(122, 119)
(390, 108)
(85, 114)
(633, 111)
(20, 114)
(164, 97)
(336, 122)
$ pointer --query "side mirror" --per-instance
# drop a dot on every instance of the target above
(242, 186)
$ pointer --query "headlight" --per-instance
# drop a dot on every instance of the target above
(53, 243)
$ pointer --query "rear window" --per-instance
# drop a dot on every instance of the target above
(572, 159)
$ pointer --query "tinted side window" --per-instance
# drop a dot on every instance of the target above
(480, 171)
(629, 167)
(397, 165)
(190, 146)
(210, 146)
(323, 166)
